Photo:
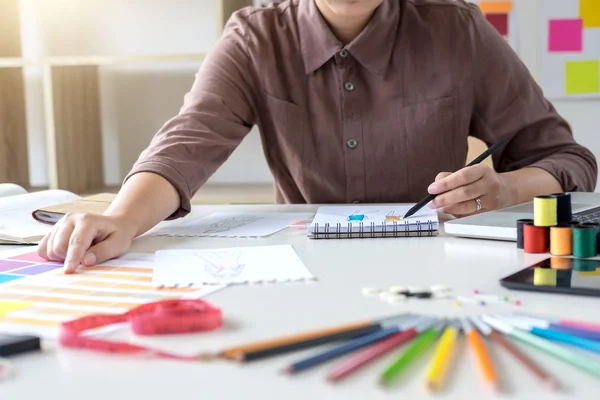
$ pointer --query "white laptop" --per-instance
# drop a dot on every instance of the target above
(502, 224)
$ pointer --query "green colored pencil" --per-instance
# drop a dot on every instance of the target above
(421, 343)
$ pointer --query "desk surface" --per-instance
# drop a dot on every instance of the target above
(343, 268)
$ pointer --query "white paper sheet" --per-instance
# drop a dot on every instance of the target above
(15, 212)
(10, 189)
(231, 225)
(260, 264)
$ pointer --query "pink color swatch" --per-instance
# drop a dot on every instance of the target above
(565, 35)
(30, 257)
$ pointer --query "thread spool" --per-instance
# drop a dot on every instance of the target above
(535, 238)
(561, 240)
(560, 263)
(564, 213)
(544, 277)
(584, 241)
(520, 224)
(597, 227)
(544, 211)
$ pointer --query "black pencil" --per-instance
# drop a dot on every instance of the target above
(430, 197)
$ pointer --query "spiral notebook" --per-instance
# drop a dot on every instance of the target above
(338, 222)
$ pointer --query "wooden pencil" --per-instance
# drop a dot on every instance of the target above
(409, 330)
(526, 361)
(278, 346)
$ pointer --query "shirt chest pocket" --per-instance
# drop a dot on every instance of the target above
(431, 138)
(283, 135)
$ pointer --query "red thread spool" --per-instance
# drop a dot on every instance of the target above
(535, 239)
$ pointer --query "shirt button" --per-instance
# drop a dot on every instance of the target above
(351, 115)
(344, 53)
(349, 86)
(352, 143)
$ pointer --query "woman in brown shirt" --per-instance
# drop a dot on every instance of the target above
(356, 101)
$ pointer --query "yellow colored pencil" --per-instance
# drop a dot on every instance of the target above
(441, 359)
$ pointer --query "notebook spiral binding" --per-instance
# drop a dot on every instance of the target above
(425, 228)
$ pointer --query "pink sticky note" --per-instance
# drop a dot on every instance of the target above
(565, 35)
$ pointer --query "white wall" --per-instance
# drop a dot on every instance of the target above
(136, 100)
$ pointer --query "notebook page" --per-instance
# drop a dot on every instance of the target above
(15, 212)
(381, 218)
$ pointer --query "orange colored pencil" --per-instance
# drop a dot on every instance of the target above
(481, 354)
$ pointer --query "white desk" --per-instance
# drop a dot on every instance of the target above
(343, 268)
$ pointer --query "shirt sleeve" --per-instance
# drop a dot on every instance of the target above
(509, 105)
(216, 115)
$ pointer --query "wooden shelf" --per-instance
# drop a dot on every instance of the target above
(71, 105)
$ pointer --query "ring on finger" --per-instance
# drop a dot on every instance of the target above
(478, 205)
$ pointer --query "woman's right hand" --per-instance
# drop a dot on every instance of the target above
(86, 239)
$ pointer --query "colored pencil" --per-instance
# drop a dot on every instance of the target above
(544, 323)
(481, 355)
(527, 362)
(278, 346)
(565, 354)
(421, 343)
(339, 351)
(441, 359)
(557, 336)
(566, 323)
(362, 358)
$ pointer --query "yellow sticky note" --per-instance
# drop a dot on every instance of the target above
(589, 11)
(10, 306)
(583, 77)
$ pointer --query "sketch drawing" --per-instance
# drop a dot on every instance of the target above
(391, 216)
(223, 264)
(231, 223)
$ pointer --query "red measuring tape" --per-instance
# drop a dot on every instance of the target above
(157, 318)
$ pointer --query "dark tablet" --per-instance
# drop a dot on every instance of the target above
(558, 275)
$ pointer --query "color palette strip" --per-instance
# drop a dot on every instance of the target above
(36, 295)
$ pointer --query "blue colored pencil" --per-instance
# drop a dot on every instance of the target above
(558, 336)
(343, 349)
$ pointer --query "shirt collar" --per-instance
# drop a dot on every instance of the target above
(372, 48)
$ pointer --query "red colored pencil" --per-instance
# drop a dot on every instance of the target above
(371, 353)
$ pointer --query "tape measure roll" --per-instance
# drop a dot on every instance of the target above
(584, 240)
(545, 210)
(535, 238)
(564, 213)
(561, 240)
(156, 318)
(520, 223)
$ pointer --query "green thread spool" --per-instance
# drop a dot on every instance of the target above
(584, 241)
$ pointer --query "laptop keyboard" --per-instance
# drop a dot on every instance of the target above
(588, 216)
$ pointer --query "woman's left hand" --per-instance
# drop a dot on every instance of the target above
(470, 190)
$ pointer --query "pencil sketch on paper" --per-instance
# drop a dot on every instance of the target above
(229, 223)
(222, 264)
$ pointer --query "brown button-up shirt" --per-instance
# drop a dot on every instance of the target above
(373, 121)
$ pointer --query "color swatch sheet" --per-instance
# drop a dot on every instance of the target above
(570, 48)
(36, 295)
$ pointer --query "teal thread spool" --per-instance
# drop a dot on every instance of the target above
(584, 241)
